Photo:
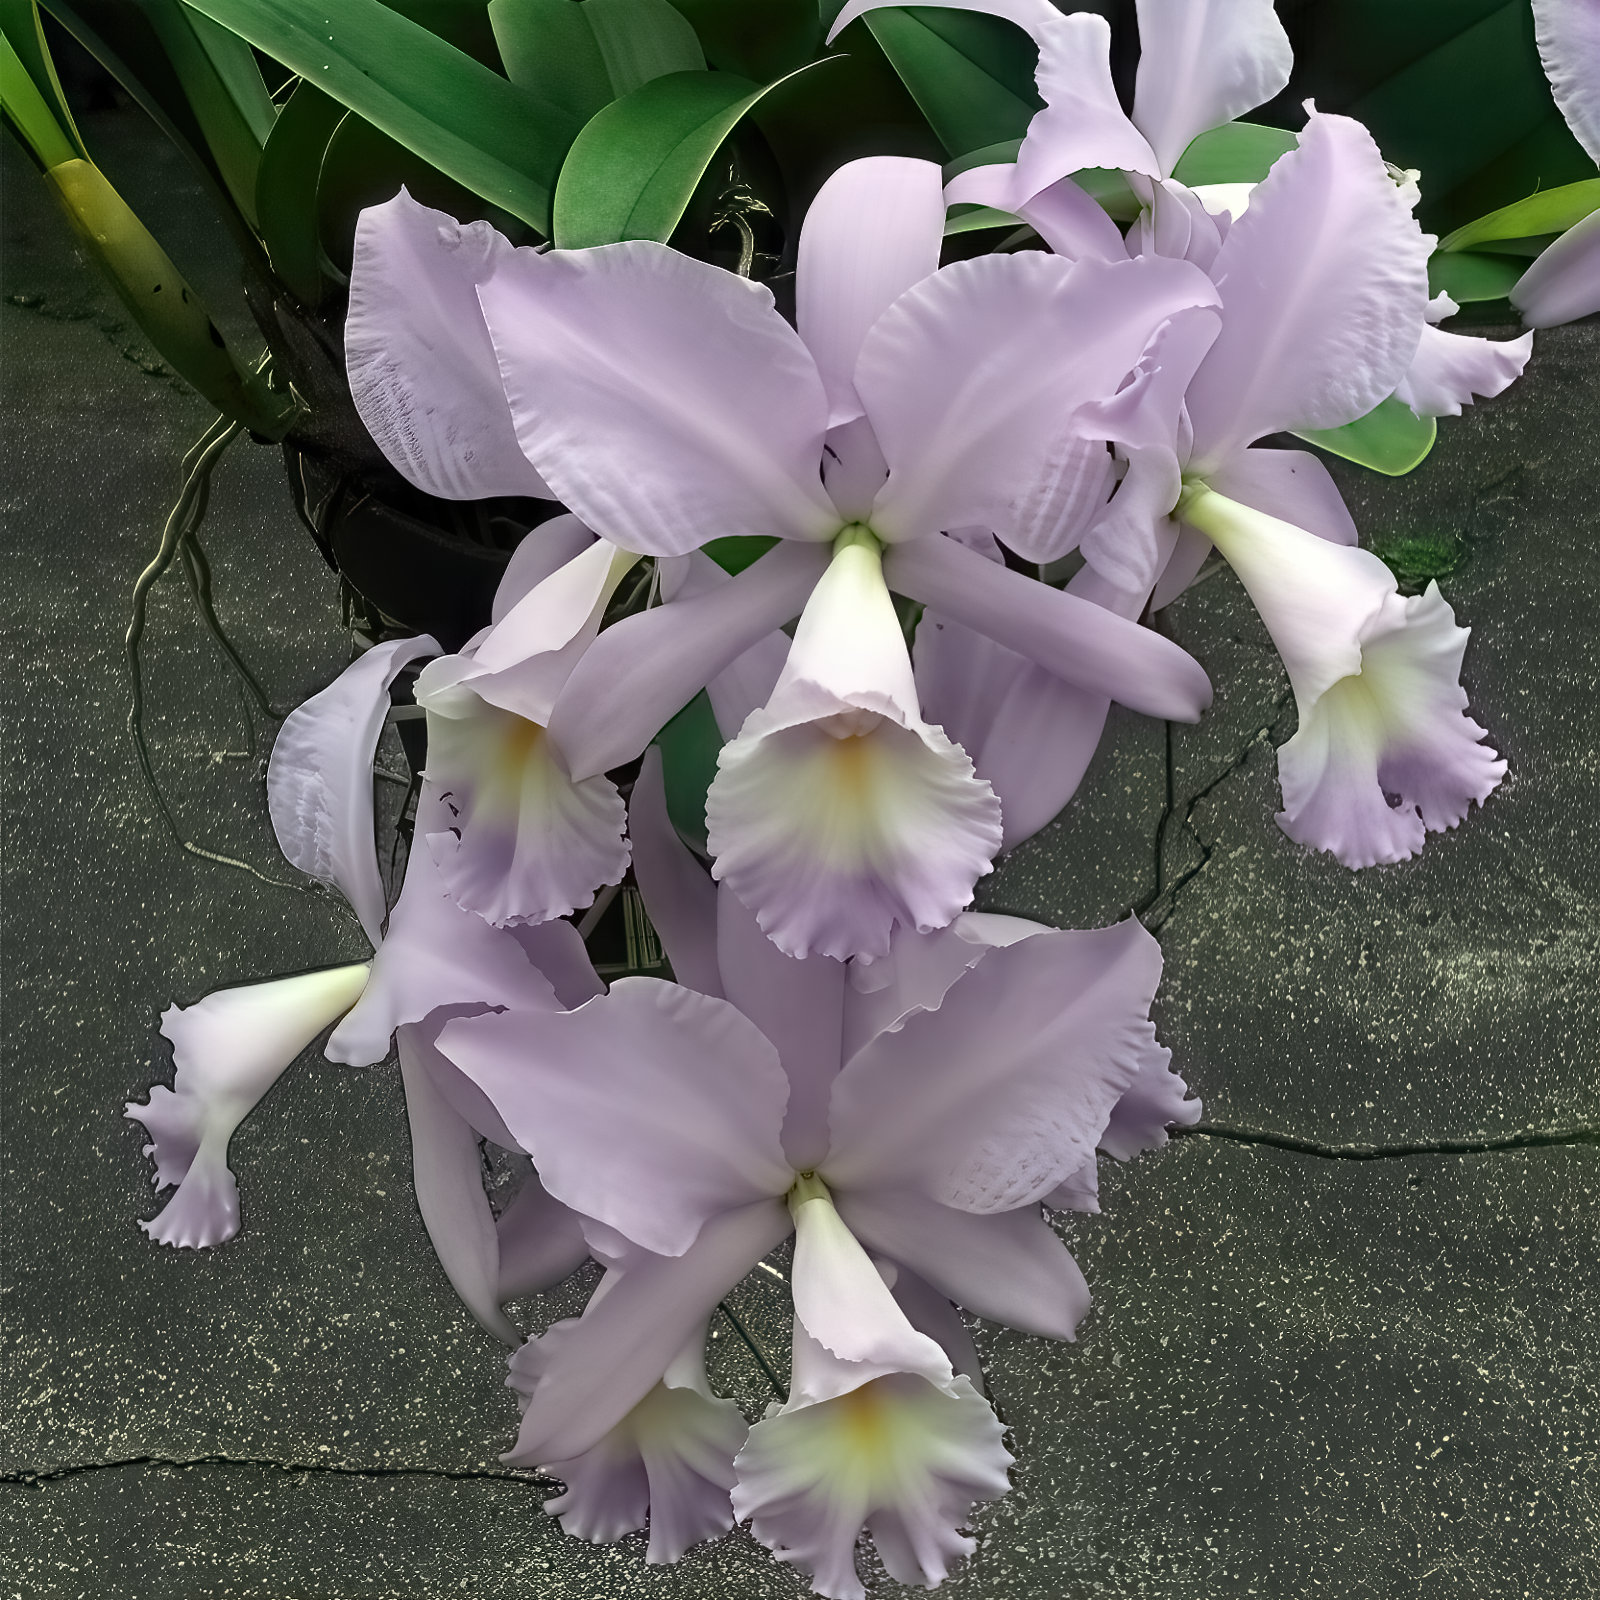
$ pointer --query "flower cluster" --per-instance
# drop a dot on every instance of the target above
(848, 1053)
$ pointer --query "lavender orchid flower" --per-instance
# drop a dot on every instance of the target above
(669, 404)
(703, 1118)
(232, 1046)
(1563, 284)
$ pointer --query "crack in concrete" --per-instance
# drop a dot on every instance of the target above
(79, 1469)
(1156, 910)
(1564, 1138)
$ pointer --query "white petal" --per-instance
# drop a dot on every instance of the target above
(229, 1049)
(1203, 63)
(319, 780)
(873, 230)
(1450, 368)
(1563, 284)
(1568, 32)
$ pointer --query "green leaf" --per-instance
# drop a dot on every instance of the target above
(23, 31)
(759, 41)
(632, 169)
(1237, 152)
(38, 122)
(488, 135)
(690, 745)
(1467, 275)
(1391, 438)
(364, 167)
(286, 188)
(585, 55)
(463, 23)
(1550, 211)
(973, 219)
(972, 75)
(739, 551)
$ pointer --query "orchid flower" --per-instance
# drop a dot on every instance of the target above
(702, 1115)
(669, 404)
(1563, 284)
(232, 1046)
(524, 843)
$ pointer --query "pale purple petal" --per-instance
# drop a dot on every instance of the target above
(1563, 284)
(597, 1368)
(918, 971)
(228, 1050)
(669, 1459)
(544, 550)
(1449, 369)
(810, 1488)
(422, 366)
(1203, 63)
(678, 892)
(1291, 485)
(837, 812)
(558, 951)
(1183, 566)
(1129, 542)
(1083, 123)
(447, 1179)
(1177, 223)
(436, 954)
(1324, 286)
(1009, 1267)
(1073, 638)
(799, 1006)
(540, 1242)
(644, 669)
(1386, 755)
(651, 1109)
(1078, 1191)
(873, 230)
(1151, 1104)
(971, 380)
(522, 841)
(929, 1312)
(1034, 17)
(663, 399)
(841, 1300)
(1072, 223)
(1568, 32)
(319, 780)
(1061, 1023)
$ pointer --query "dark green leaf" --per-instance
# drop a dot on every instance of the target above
(1550, 211)
(690, 744)
(632, 169)
(488, 135)
(972, 75)
(758, 41)
(286, 188)
(1467, 275)
(1391, 438)
(463, 23)
(1237, 152)
(740, 551)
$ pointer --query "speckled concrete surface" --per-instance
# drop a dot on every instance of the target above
(1304, 1375)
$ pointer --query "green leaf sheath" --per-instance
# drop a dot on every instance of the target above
(493, 138)
(631, 171)
(286, 188)
(1391, 438)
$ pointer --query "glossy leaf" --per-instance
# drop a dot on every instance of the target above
(758, 41)
(1391, 438)
(493, 138)
(585, 55)
(972, 75)
(286, 188)
(1237, 152)
(632, 170)
(1467, 275)
(690, 744)
(1549, 211)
